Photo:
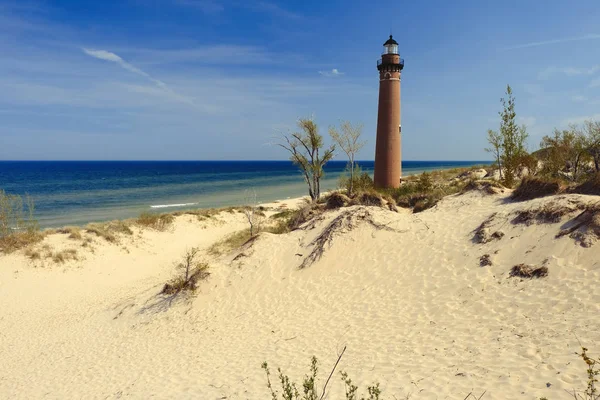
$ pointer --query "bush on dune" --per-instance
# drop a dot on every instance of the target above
(532, 188)
(189, 272)
(590, 186)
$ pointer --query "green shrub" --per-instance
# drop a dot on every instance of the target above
(289, 389)
(425, 182)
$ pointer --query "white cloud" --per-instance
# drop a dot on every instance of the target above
(579, 98)
(332, 73)
(554, 41)
(568, 71)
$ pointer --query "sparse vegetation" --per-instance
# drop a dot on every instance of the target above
(160, 222)
(549, 213)
(74, 232)
(485, 260)
(189, 271)
(585, 227)
(305, 148)
(591, 392)
(64, 256)
(528, 271)
(231, 242)
(495, 141)
(18, 227)
(251, 211)
(310, 391)
(483, 233)
(109, 231)
(348, 140)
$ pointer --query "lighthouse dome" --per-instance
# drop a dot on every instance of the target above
(390, 41)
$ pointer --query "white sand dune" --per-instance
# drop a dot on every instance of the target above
(411, 303)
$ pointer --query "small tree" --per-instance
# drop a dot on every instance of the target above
(495, 141)
(513, 138)
(252, 212)
(566, 149)
(592, 135)
(189, 272)
(305, 151)
(348, 139)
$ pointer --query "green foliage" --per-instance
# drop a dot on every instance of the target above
(591, 131)
(508, 145)
(305, 150)
(351, 389)
(425, 182)
(591, 392)
(513, 138)
(567, 148)
(361, 181)
(289, 389)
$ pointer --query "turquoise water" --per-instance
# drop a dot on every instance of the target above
(79, 192)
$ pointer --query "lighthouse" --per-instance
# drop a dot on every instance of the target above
(388, 156)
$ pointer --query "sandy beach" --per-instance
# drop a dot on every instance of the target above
(403, 292)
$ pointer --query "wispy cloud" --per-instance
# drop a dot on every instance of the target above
(333, 73)
(112, 57)
(568, 71)
(554, 41)
(207, 54)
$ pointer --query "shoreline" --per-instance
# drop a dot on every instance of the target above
(227, 198)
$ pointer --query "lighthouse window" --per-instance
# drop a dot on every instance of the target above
(391, 49)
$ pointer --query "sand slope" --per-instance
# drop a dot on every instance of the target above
(408, 299)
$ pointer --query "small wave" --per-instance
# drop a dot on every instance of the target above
(173, 205)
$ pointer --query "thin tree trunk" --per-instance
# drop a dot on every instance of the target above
(351, 175)
(499, 165)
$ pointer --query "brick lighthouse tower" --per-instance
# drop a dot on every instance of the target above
(388, 156)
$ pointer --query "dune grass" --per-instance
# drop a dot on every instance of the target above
(160, 222)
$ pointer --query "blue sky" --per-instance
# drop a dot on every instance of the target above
(217, 79)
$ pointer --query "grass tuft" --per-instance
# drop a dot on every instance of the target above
(160, 222)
